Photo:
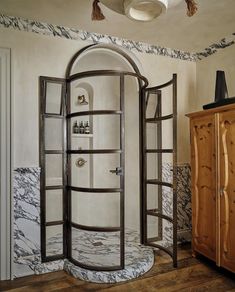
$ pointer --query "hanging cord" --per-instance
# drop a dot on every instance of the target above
(96, 11)
(192, 7)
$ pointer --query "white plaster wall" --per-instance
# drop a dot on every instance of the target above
(206, 76)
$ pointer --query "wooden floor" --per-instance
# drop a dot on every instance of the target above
(191, 275)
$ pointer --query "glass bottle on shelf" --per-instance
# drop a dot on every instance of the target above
(75, 128)
(87, 128)
(81, 128)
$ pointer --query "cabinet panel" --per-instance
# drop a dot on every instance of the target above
(203, 162)
(227, 189)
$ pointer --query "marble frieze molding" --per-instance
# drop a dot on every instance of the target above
(43, 28)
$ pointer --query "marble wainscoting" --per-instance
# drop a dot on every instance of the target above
(26, 193)
(183, 204)
(27, 258)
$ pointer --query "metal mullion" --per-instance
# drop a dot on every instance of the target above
(104, 151)
(159, 215)
(122, 177)
(54, 223)
(174, 91)
(53, 116)
(95, 228)
(94, 190)
(95, 112)
(68, 174)
(95, 268)
(49, 188)
(162, 118)
(64, 112)
(144, 147)
(161, 248)
(159, 146)
(159, 151)
(43, 172)
(158, 182)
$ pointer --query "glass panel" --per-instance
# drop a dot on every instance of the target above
(166, 237)
(53, 134)
(166, 170)
(104, 132)
(53, 98)
(167, 97)
(54, 240)
(153, 197)
(54, 205)
(90, 248)
(152, 166)
(167, 134)
(54, 167)
(96, 209)
(151, 105)
(93, 171)
(153, 227)
(166, 104)
(95, 93)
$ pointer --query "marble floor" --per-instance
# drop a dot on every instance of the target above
(102, 249)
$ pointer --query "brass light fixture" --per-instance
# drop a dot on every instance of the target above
(140, 10)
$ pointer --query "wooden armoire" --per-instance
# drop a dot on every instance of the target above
(213, 184)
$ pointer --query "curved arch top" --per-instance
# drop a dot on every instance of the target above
(112, 48)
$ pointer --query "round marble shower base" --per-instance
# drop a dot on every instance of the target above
(138, 258)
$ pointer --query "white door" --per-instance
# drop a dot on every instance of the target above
(5, 165)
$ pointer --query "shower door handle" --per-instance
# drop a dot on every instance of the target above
(117, 171)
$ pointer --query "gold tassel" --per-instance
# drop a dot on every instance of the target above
(192, 7)
(96, 11)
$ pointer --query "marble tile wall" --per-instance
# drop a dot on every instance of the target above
(26, 193)
(183, 203)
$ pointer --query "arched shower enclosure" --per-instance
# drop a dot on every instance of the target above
(104, 152)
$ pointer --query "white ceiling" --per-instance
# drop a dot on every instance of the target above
(214, 20)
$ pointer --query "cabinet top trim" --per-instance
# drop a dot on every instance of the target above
(212, 111)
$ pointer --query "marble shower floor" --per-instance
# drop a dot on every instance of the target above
(102, 249)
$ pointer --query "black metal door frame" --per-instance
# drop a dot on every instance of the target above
(66, 115)
(43, 152)
(145, 212)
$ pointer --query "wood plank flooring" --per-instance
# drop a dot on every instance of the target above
(191, 275)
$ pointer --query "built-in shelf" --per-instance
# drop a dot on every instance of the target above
(82, 135)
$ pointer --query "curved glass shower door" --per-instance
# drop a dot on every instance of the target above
(96, 163)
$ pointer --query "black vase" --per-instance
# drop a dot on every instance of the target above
(221, 91)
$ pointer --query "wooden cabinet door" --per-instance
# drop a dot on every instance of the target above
(227, 189)
(203, 162)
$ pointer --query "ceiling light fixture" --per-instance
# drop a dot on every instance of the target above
(140, 10)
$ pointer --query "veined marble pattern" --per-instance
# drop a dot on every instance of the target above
(102, 249)
(27, 253)
(26, 188)
(75, 34)
(183, 203)
(214, 48)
